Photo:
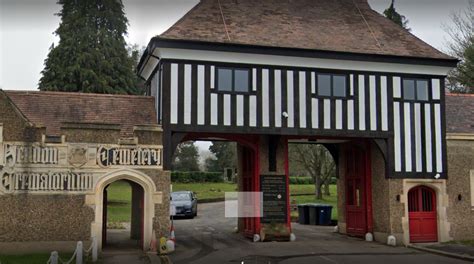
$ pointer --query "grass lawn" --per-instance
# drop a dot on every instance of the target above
(30, 258)
(206, 190)
(119, 196)
(462, 242)
(217, 190)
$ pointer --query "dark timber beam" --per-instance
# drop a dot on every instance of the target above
(171, 141)
(272, 152)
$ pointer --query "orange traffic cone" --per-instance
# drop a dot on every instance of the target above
(172, 237)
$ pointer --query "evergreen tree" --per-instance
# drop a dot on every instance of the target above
(91, 55)
(186, 157)
(392, 14)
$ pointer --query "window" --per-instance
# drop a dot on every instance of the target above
(233, 80)
(332, 85)
(415, 89)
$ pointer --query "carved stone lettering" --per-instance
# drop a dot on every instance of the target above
(115, 156)
(45, 182)
(23, 154)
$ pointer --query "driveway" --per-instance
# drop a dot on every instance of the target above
(210, 238)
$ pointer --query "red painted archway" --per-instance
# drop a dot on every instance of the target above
(250, 170)
(422, 215)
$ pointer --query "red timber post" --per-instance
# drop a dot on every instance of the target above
(368, 187)
(256, 148)
(287, 173)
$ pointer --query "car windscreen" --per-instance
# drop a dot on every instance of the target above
(180, 197)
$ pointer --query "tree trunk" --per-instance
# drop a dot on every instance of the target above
(326, 188)
(318, 188)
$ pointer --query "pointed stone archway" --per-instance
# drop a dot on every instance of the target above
(151, 197)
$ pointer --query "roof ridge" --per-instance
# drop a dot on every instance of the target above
(318, 31)
(16, 108)
(32, 92)
(411, 34)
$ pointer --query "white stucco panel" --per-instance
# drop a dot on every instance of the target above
(278, 60)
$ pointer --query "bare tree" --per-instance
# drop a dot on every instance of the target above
(461, 46)
(317, 161)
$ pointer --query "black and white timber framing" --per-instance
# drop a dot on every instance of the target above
(373, 108)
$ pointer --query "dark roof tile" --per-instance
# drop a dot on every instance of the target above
(460, 113)
(54, 109)
(330, 25)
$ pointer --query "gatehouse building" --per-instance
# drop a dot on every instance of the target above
(262, 74)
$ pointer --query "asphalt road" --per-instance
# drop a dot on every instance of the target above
(209, 238)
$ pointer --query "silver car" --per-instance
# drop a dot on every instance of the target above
(185, 203)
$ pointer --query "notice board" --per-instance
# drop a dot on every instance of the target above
(275, 204)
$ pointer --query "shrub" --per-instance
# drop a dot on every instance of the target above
(196, 176)
(308, 180)
(301, 180)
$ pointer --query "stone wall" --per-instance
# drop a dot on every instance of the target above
(397, 208)
(162, 180)
(380, 195)
(461, 209)
(102, 136)
(27, 217)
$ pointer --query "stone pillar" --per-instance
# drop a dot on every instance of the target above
(381, 196)
(273, 164)
(341, 190)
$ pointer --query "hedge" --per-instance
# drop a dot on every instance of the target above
(301, 180)
(196, 176)
(307, 180)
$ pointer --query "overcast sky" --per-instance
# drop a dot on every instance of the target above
(27, 26)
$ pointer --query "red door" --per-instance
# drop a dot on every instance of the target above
(356, 199)
(422, 215)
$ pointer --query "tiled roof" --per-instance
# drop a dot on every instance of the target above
(327, 25)
(55, 109)
(460, 113)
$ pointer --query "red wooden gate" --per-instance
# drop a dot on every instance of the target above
(422, 214)
(357, 203)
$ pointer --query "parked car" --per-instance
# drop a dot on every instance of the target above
(185, 203)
